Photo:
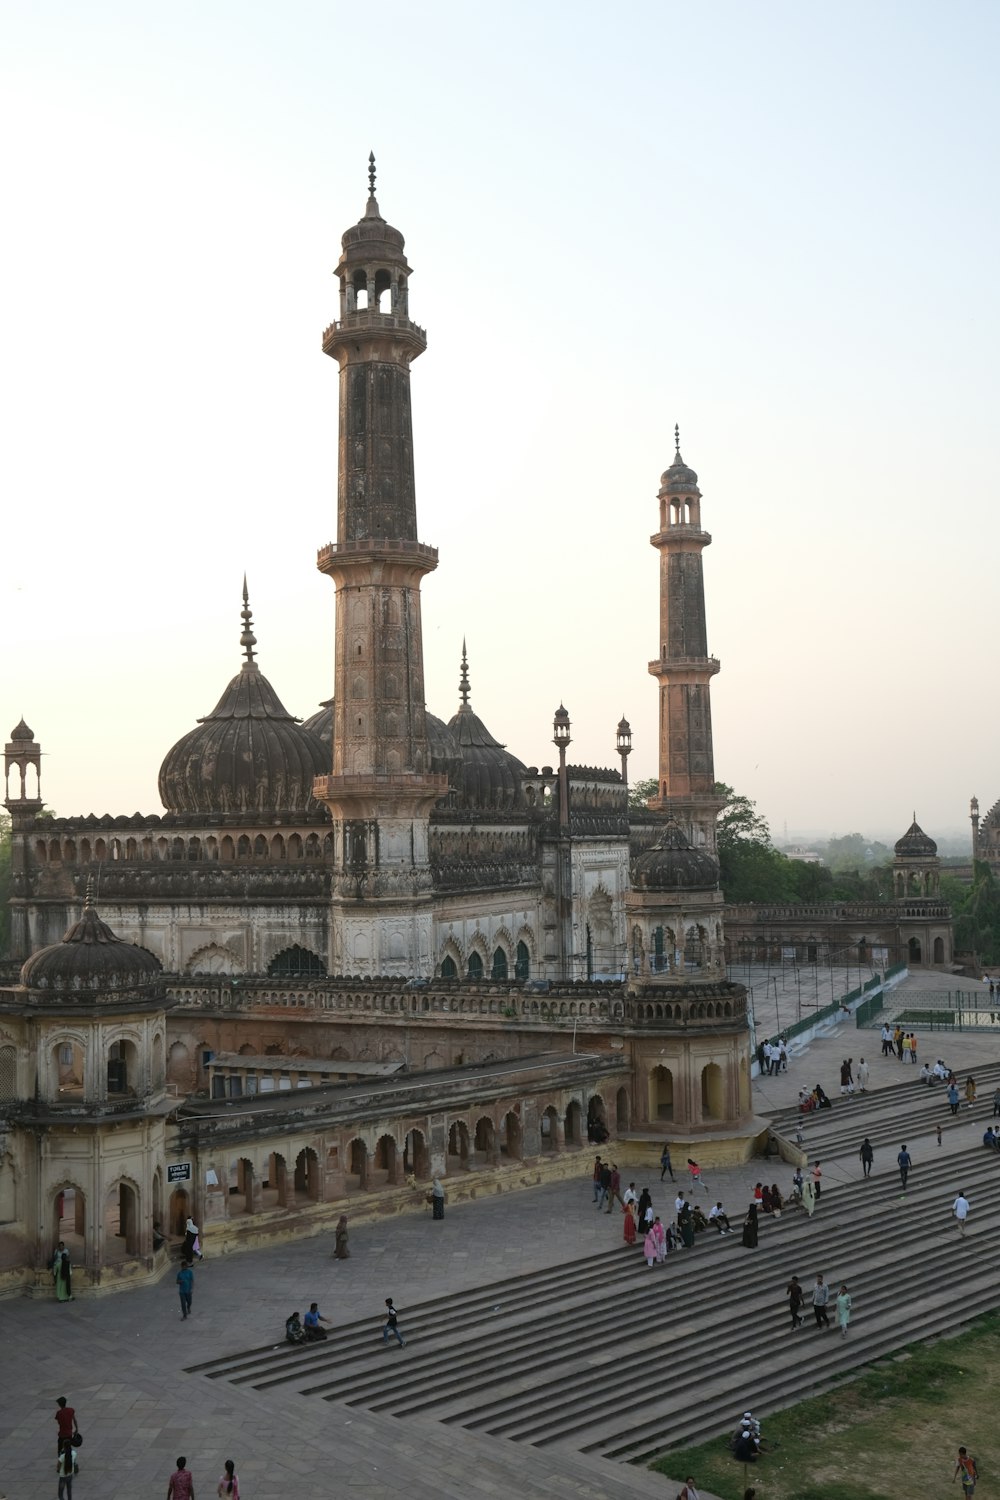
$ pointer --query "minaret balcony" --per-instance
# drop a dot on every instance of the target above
(374, 322)
(682, 533)
(680, 666)
(397, 559)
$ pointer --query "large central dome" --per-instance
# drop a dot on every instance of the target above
(248, 755)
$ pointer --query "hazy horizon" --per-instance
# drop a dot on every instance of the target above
(773, 226)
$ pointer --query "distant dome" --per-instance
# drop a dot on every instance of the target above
(490, 776)
(21, 732)
(672, 865)
(445, 754)
(89, 959)
(248, 755)
(915, 844)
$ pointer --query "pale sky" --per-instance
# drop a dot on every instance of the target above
(775, 224)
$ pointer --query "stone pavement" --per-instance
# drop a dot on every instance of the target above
(121, 1360)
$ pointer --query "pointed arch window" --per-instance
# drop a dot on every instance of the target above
(449, 968)
(499, 964)
(522, 962)
(475, 966)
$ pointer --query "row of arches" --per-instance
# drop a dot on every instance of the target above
(276, 848)
(500, 965)
(686, 951)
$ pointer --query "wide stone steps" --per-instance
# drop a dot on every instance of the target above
(889, 1117)
(608, 1357)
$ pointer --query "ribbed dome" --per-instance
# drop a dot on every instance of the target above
(678, 479)
(321, 724)
(21, 732)
(490, 775)
(672, 865)
(915, 844)
(248, 755)
(89, 959)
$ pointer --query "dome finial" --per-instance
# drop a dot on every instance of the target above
(463, 686)
(88, 895)
(247, 640)
(371, 174)
(677, 439)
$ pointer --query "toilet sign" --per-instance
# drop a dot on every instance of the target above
(178, 1171)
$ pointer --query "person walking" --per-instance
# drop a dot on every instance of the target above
(913, 1048)
(665, 1163)
(820, 1298)
(966, 1467)
(843, 1310)
(867, 1156)
(817, 1181)
(437, 1198)
(886, 1041)
(185, 1287)
(62, 1274)
(597, 1179)
(904, 1161)
(953, 1097)
(897, 1038)
(341, 1251)
(793, 1291)
(604, 1185)
(808, 1196)
(391, 1325)
(66, 1418)
(192, 1241)
(229, 1484)
(66, 1469)
(846, 1086)
(960, 1209)
(970, 1091)
(659, 1233)
(616, 1189)
(181, 1483)
(750, 1228)
(696, 1176)
(649, 1246)
(863, 1075)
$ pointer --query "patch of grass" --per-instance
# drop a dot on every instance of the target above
(856, 1442)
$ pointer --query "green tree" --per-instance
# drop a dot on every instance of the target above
(751, 868)
(977, 925)
(854, 852)
(640, 791)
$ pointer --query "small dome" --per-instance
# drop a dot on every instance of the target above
(90, 958)
(672, 865)
(321, 725)
(21, 733)
(248, 755)
(679, 479)
(915, 844)
(490, 776)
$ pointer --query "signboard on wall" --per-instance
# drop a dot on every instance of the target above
(178, 1171)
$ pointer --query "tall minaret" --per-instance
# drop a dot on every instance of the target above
(381, 791)
(684, 668)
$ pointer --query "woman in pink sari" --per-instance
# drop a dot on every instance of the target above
(649, 1246)
(659, 1235)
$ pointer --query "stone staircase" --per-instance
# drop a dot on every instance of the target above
(895, 1114)
(606, 1358)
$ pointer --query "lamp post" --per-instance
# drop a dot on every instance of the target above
(623, 744)
(564, 865)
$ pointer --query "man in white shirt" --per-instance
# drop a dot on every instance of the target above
(960, 1208)
(630, 1195)
(720, 1219)
(767, 1058)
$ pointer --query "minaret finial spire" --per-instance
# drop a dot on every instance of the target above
(88, 896)
(247, 640)
(371, 174)
(463, 686)
(677, 438)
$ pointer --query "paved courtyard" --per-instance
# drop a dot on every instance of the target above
(121, 1360)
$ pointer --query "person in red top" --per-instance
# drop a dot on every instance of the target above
(66, 1417)
(966, 1466)
(181, 1486)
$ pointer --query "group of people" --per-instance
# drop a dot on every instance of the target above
(848, 1076)
(181, 1485)
(313, 1328)
(899, 1042)
(814, 1098)
(820, 1298)
(772, 1056)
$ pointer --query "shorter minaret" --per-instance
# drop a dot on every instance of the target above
(23, 780)
(683, 668)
